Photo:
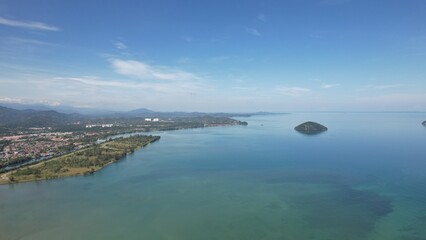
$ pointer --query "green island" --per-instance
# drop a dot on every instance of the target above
(310, 128)
(81, 162)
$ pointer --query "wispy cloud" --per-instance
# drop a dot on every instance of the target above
(328, 86)
(4, 99)
(28, 25)
(146, 71)
(15, 40)
(261, 17)
(170, 88)
(253, 32)
(292, 91)
(94, 81)
(120, 45)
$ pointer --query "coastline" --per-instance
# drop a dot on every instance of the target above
(81, 162)
(5, 177)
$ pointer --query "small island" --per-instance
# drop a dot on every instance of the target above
(82, 162)
(424, 123)
(310, 128)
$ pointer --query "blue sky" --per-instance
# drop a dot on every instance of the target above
(309, 55)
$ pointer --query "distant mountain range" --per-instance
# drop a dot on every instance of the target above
(42, 115)
(140, 112)
(58, 108)
(30, 117)
(149, 113)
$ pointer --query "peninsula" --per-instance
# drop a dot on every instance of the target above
(85, 161)
(38, 144)
(310, 128)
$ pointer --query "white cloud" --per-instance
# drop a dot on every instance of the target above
(101, 92)
(161, 87)
(28, 25)
(328, 86)
(261, 17)
(10, 100)
(292, 91)
(15, 40)
(120, 45)
(94, 81)
(253, 32)
(28, 101)
(145, 71)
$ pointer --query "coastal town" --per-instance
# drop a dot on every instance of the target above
(22, 146)
(17, 149)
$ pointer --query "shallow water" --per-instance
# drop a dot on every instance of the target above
(363, 179)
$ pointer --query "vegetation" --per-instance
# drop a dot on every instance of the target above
(13, 121)
(85, 161)
(30, 117)
(17, 160)
(39, 143)
(310, 128)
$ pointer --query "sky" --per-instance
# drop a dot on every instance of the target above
(222, 55)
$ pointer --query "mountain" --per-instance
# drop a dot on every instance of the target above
(8, 115)
(143, 112)
(140, 112)
(42, 115)
(59, 108)
(34, 118)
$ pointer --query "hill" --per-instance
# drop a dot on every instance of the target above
(34, 118)
(310, 128)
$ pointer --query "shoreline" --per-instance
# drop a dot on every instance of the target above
(75, 164)
(5, 176)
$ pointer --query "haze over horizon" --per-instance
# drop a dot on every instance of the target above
(211, 56)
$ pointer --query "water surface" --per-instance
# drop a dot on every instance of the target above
(363, 179)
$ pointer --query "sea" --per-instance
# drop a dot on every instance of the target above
(365, 178)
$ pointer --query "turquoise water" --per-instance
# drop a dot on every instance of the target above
(363, 179)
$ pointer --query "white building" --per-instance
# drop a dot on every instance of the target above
(148, 120)
(155, 120)
(104, 125)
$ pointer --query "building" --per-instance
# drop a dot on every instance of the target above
(155, 120)
(103, 125)
(148, 120)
